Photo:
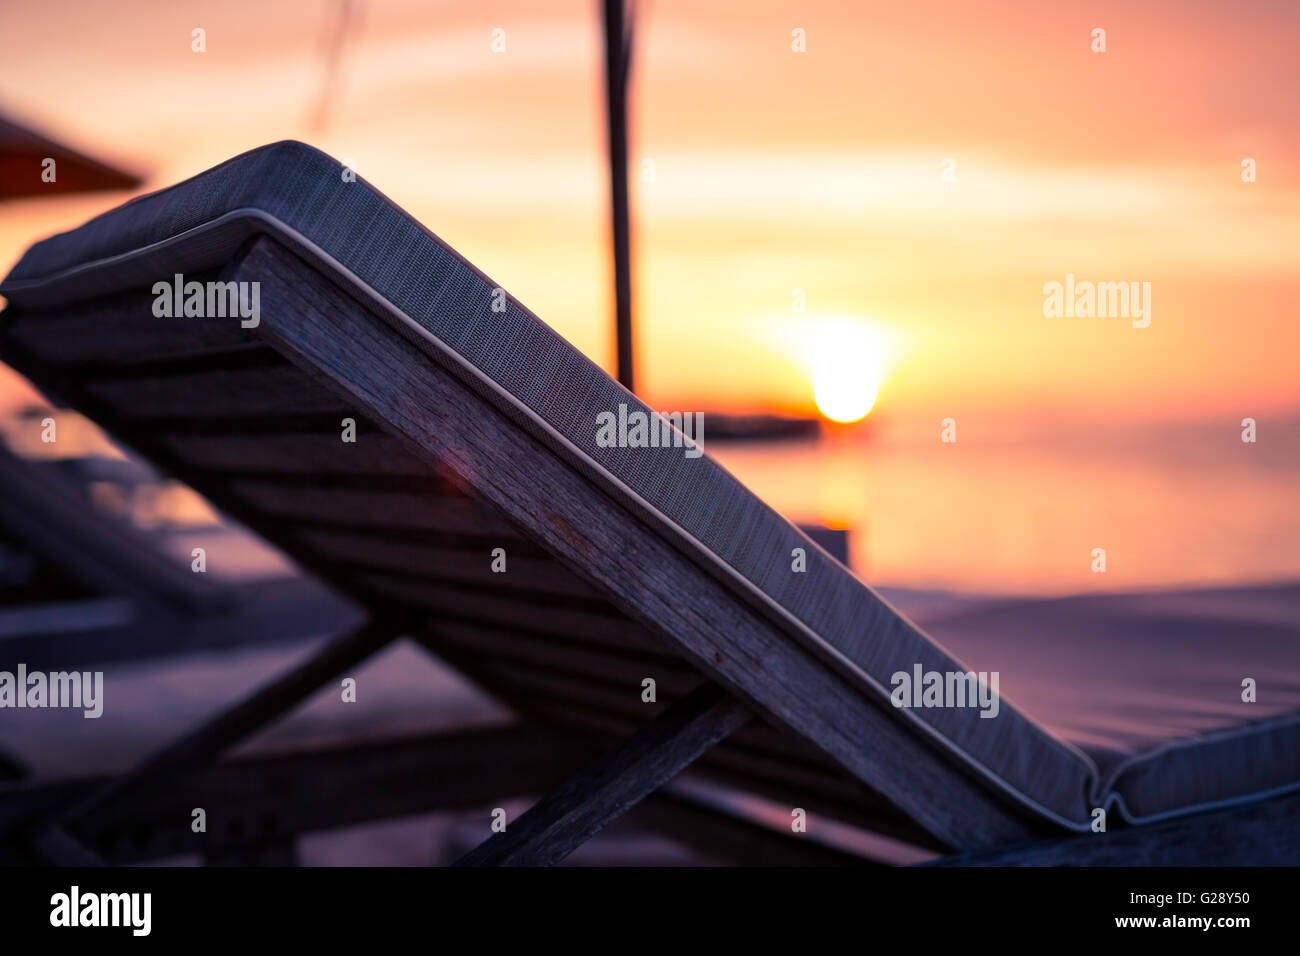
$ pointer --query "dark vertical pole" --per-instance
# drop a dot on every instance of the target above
(617, 51)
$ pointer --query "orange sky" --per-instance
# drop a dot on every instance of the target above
(774, 171)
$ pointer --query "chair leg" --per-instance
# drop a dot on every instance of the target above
(565, 819)
(205, 742)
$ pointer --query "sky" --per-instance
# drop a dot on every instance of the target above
(920, 172)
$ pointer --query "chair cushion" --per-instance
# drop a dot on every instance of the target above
(1150, 686)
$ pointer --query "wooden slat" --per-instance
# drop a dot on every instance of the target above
(380, 534)
(575, 652)
(567, 817)
(451, 565)
(550, 630)
(618, 691)
(427, 485)
(376, 454)
(509, 593)
(165, 425)
(235, 357)
(380, 509)
(121, 328)
(243, 392)
(501, 610)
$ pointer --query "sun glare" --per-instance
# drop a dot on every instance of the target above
(845, 394)
(846, 358)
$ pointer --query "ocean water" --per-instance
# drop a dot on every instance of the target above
(995, 512)
(1174, 505)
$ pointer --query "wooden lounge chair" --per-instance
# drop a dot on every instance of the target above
(87, 587)
(476, 437)
(80, 588)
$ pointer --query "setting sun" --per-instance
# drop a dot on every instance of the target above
(845, 394)
(845, 358)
